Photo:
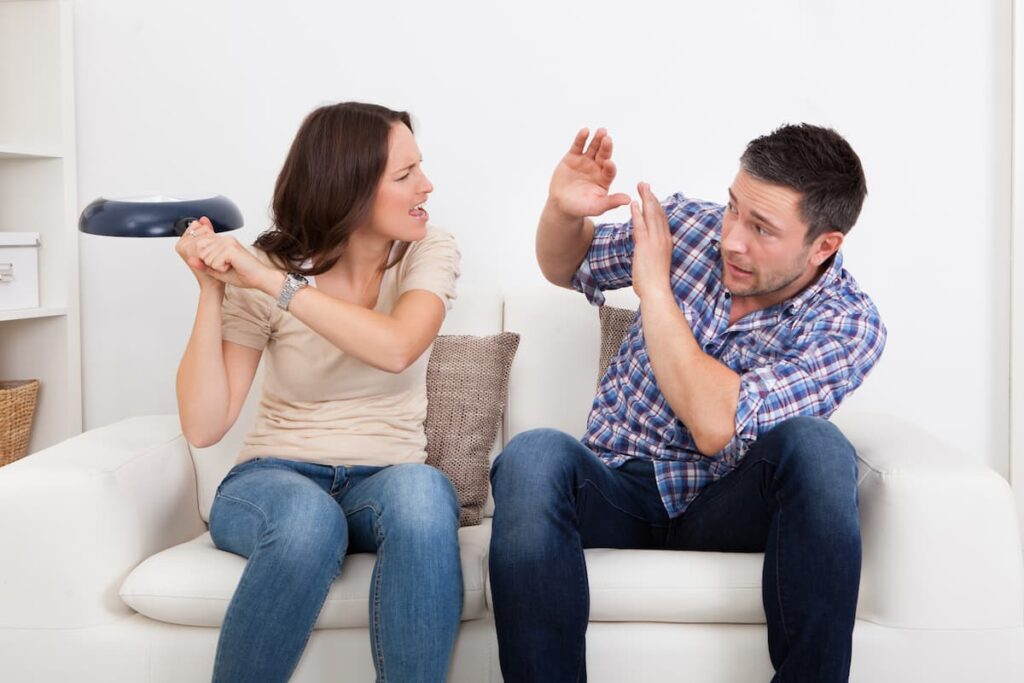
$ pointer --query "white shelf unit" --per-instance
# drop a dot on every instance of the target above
(37, 194)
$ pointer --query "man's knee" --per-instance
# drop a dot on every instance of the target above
(537, 457)
(817, 452)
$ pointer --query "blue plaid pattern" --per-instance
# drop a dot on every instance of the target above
(800, 357)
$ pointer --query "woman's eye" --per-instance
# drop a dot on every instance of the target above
(403, 177)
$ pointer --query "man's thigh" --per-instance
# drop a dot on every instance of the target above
(547, 481)
(735, 513)
(732, 514)
(621, 508)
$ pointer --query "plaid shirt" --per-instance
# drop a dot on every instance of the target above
(799, 357)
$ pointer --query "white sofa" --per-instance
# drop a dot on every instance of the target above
(109, 526)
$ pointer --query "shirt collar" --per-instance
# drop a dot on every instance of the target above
(798, 302)
(825, 281)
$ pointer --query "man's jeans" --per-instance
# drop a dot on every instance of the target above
(793, 496)
(295, 522)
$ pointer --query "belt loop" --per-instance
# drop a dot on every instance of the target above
(340, 475)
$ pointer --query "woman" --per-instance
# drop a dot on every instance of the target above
(335, 460)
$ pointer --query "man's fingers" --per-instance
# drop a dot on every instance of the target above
(616, 200)
(608, 170)
(581, 139)
(604, 152)
(639, 226)
(595, 144)
(653, 213)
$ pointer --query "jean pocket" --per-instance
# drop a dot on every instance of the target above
(241, 467)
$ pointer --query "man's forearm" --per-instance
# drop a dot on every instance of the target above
(562, 244)
(702, 392)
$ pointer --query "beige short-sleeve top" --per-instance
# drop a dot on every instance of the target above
(319, 404)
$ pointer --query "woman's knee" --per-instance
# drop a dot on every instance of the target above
(306, 525)
(421, 500)
(275, 510)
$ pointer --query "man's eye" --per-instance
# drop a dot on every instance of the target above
(730, 207)
(760, 231)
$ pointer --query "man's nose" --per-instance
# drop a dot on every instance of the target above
(732, 240)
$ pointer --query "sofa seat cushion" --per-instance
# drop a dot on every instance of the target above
(675, 586)
(191, 583)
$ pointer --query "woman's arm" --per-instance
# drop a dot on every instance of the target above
(390, 342)
(214, 376)
(387, 341)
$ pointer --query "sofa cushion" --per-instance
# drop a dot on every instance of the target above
(191, 583)
(675, 586)
(467, 385)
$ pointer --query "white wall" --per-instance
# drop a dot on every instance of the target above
(196, 95)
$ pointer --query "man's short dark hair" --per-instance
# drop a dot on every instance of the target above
(819, 164)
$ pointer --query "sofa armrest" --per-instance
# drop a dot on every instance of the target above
(79, 516)
(941, 543)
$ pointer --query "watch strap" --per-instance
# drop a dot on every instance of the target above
(293, 282)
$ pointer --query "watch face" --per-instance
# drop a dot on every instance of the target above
(301, 278)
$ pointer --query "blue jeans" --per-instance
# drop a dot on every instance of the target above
(793, 497)
(295, 522)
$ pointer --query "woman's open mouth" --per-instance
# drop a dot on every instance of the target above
(418, 212)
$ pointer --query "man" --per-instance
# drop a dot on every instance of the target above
(708, 430)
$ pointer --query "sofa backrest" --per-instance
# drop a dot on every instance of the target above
(555, 373)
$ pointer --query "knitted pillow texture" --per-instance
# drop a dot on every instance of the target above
(615, 323)
(467, 387)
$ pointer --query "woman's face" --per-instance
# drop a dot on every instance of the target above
(398, 211)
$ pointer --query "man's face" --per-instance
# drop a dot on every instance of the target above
(764, 253)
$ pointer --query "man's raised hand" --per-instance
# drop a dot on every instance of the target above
(580, 183)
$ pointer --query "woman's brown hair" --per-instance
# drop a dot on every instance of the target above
(325, 190)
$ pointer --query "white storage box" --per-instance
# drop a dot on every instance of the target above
(19, 270)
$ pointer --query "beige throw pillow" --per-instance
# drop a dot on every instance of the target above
(615, 323)
(467, 386)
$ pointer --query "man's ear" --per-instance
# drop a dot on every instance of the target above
(826, 245)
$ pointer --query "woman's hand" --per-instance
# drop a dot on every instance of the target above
(223, 258)
(188, 249)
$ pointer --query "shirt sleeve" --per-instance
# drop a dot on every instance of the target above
(245, 317)
(433, 266)
(811, 380)
(609, 261)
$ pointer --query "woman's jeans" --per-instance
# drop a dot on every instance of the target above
(793, 496)
(296, 521)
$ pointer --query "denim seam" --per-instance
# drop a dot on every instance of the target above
(612, 504)
(247, 503)
(581, 575)
(375, 622)
(319, 609)
(225, 624)
(778, 572)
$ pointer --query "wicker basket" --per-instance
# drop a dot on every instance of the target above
(17, 406)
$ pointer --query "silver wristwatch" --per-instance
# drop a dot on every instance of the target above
(293, 282)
